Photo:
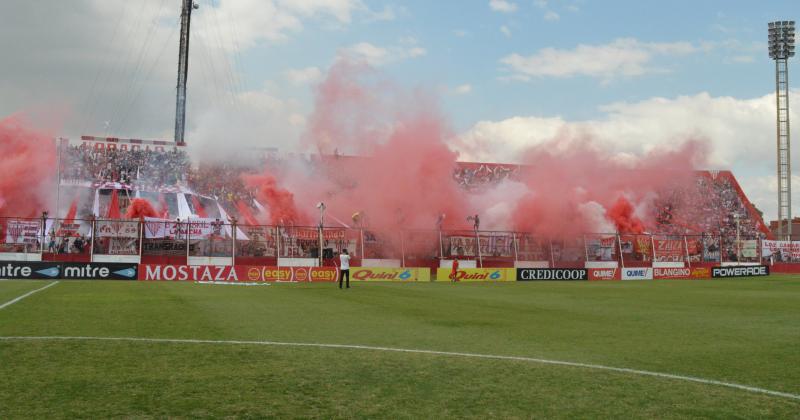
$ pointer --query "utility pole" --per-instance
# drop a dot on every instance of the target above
(183, 70)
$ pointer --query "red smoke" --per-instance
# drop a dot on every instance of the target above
(279, 201)
(140, 208)
(572, 187)
(621, 213)
(404, 179)
(28, 171)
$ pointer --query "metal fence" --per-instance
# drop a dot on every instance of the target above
(214, 238)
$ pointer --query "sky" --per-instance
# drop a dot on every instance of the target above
(633, 75)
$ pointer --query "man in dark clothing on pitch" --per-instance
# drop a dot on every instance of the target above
(344, 260)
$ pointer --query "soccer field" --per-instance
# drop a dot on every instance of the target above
(666, 349)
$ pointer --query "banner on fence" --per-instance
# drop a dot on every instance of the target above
(494, 245)
(196, 228)
(390, 274)
(123, 246)
(313, 234)
(669, 250)
(601, 248)
(749, 248)
(780, 251)
(22, 231)
(117, 229)
(478, 274)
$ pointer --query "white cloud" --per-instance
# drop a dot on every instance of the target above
(123, 71)
(740, 135)
(245, 23)
(503, 6)
(388, 13)
(379, 56)
(504, 29)
(622, 57)
(340, 9)
(542, 4)
(551, 15)
(257, 119)
(305, 76)
(463, 89)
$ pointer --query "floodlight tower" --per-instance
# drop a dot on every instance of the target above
(183, 69)
(781, 48)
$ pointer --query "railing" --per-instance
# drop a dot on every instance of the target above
(89, 238)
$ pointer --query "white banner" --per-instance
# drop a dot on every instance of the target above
(117, 229)
(22, 231)
(123, 246)
(749, 248)
(500, 245)
(780, 250)
(197, 228)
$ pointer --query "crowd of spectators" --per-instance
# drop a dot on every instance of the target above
(223, 182)
(148, 169)
(712, 206)
(475, 177)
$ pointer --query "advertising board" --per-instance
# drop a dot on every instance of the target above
(239, 273)
(390, 274)
(478, 274)
(532, 274)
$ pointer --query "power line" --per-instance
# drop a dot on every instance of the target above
(134, 74)
(113, 73)
(90, 98)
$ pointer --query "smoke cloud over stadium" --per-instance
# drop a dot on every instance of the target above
(27, 175)
(564, 187)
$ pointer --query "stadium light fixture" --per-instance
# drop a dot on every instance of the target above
(780, 35)
(781, 39)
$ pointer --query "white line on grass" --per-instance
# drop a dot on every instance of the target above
(433, 352)
(17, 299)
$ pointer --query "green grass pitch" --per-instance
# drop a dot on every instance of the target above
(742, 331)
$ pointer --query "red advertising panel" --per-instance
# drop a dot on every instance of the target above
(233, 274)
(604, 274)
(672, 273)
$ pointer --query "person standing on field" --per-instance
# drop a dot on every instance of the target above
(344, 260)
(454, 273)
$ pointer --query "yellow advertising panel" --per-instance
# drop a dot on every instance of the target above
(390, 274)
(478, 274)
